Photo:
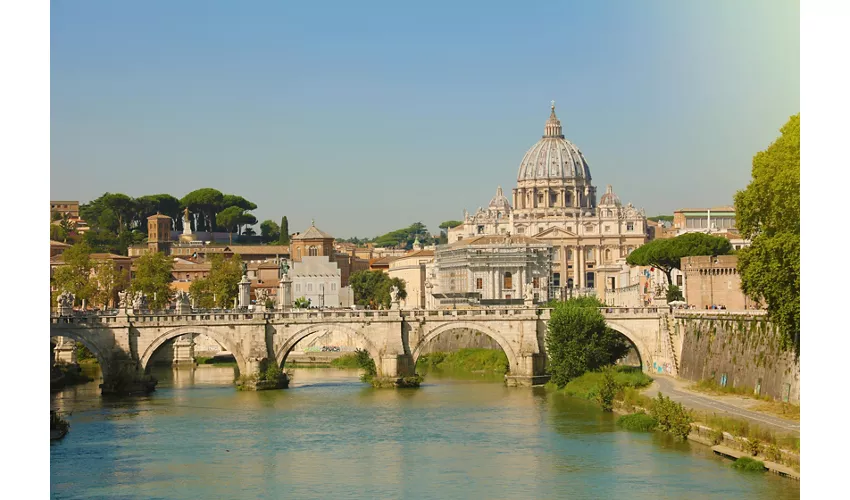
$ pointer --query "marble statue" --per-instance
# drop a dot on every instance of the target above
(529, 292)
(124, 299)
(140, 301)
(394, 294)
(66, 300)
(187, 226)
(262, 295)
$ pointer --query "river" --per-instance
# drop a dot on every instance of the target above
(331, 436)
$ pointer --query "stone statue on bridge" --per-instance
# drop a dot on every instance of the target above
(261, 294)
(244, 269)
(140, 300)
(65, 301)
(123, 299)
(528, 292)
(284, 268)
(394, 294)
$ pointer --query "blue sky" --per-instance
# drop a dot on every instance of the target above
(368, 116)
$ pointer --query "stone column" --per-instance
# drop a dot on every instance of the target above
(244, 292)
(578, 267)
(284, 293)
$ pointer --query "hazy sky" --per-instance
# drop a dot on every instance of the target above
(368, 116)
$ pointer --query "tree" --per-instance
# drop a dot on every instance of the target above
(58, 233)
(153, 278)
(404, 238)
(221, 286)
(578, 341)
(661, 218)
(157, 203)
(445, 226)
(768, 214)
(229, 218)
(674, 293)
(372, 288)
(231, 200)
(204, 202)
(666, 254)
(107, 281)
(302, 303)
(249, 231)
(74, 275)
(284, 231)
(269, 231)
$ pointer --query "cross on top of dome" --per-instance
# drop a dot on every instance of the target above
(553, 125)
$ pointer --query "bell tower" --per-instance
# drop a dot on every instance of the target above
(159, 233)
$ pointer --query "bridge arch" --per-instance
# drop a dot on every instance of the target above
(470, 325)
(213, 333)
(644, 353)
(293, 339)
(100, 352)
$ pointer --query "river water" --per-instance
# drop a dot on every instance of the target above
(331, 436)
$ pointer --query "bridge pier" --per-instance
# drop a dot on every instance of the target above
(531, 371)
(184, 351)
(262, 374)
(123, 376)
(65, 352)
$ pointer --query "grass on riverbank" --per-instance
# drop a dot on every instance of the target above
(202, 360)
(346, 361)
(749, 465)
(465, 360)
(587, 386)
(780, 409)
(710, 386)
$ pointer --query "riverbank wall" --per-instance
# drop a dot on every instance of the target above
(738, 352)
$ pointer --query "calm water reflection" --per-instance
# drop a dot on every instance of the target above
(330, 436)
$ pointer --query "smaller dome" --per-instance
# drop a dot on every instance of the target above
(499, 202)
(609, 198)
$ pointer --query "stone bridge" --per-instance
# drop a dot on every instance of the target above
(393, 338)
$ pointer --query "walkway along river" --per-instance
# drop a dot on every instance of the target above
(331, 436)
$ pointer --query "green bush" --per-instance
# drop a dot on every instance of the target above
(672, 417)
(772, 453)
(749, 464)
(367, 364)
(608, 389)
(637, 422)
(754, 446)
(587, 386)
(578, 340)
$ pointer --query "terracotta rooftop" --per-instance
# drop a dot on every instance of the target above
(260, 249)
(313, 233)
(159, 216)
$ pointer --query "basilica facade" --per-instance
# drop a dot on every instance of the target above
(555, 202)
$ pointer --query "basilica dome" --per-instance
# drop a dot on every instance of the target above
(553, 157)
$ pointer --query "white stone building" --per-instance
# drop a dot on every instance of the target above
(318, 279)
(491, 270)
(555, 202)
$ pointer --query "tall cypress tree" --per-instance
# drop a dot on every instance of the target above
(284, 231)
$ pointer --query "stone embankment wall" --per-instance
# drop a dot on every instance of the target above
(740, 353)
(460, 338)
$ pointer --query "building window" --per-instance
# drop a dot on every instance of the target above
(333, 287)
(589, 254)
(557, 254)
(679, 280)
(540, 199)
(553, 199)
(535, 282)
(556, 279)
(630, 226)
(569, 255)
(509, 282)
(508, 296)
(520, 230)
(590, 277)
(480, 229)
(567, 199)
(607, 229)
(298, 287)
(309, 287)
(313, 251)
(479, 283)
(569, 282)
(607, 255)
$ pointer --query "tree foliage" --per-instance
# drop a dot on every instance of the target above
(75, 275)
(269, 231)
(108, 280)
(404, 238)
(153, 278)
(578, 341)
(372, 288)
(661, 218)
(666, 254)
(768, 214)
(284, 231)
(229, 218)
(302, 303)
(204, 203)
(221, 286)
